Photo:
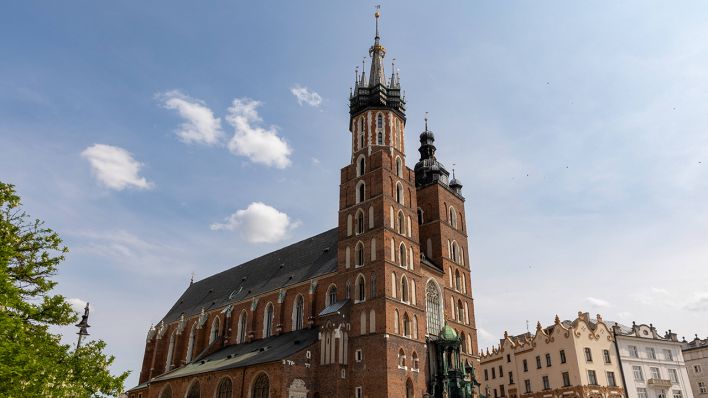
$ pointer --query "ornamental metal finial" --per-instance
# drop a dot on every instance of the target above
(377, 14)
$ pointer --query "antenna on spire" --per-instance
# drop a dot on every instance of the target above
(453, 170)
(191, 280)
(426, 121)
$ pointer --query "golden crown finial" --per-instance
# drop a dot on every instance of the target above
(378, 11)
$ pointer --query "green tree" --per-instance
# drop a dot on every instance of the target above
(33, 361)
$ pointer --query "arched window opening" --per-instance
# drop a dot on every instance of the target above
(360, 221)
(458, 281)
(399, 167)
(261, 387)
(372, 321)
(420, 216)
(401, 223)
(414, 326)
(454, 252)
(373, 249)
(453, 217)
(371, 217)
(190, 344)
(170, 349)
(394, 285)
(360, 192)
(361, 140)
(379, 121)
(463, 346)
(166, 392)
(409, 388)
(406, 325)
(298, 312)
(402, 255)
(193, 390)
(361, 167)
(214, 330)
(460, 311)
(360, 288)
(359, 254)
(372, 291)
(362, 323)
(331, 294)
(399, 193)
(404, 289)
(349, 225)
(395, 321)
(242, 322)
(379, 138)
(268, 321)
(348, 292)
(225, 388)
(432, 308)
(414, 358)
(401, 358)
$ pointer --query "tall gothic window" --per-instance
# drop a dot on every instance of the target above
(332, 295)
(379, 138)
(401, 223)
(261, 387)
(361, 167)
(268, 321)
(399, 167)
(242, 326)
(193, 390)
(404, 289)
(225, 388)
(406, 325)
(409, 385)
(360, 221)
(402, 255)
(460, 311)
(432, 308)
(360, 288)
(372, 291)
(379, 122)
(298, 312)
(420, 216)
(170, 349)
(458, 281)
(399, 193)
(360, 192)
(166, 392)
(453, 217)
(190, 344)
(214, 333)
(359, 254)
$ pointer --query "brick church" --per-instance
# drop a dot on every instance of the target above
(380, 306)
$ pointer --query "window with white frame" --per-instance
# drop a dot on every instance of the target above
(673, 376)
(638, 374)
(358, 392)
(401, 359)
(697, 369)
(661, 394)
(592, 378)
(655, 373)
(633, 352)
(702, 389)
(651, 354)
(642, 392)
(668, 355)
(677, 394)
(611, 381)
(416, 363)
(358, 355)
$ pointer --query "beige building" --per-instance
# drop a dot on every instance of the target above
(695, 354)
(567, 359)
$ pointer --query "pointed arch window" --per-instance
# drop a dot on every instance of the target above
(372, 290)
(166, 392)
(241, 332)
(454, 252)
(361, 166)
(460, 311)
(170, 349)
(401, 223)
(190, 344)
(360, 192)
(298, 312)
(194, 391)
(399, 167)
(458, 281)
(359, 221)
(225, 388)
(331, 294)
(360, 288)
(453, 217)
(404, 289)
(406, 325)
(214, 333)
(261, 387)
(415, 364)
(409, 388)
(414, 326)
(402, 255)
(395, 321)
(359, 254)
(463, 346)
(399, 193)
(432, 308)
(268, 321)
(420, 216)
(401, 358)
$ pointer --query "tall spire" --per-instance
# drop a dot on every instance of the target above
(377, 53)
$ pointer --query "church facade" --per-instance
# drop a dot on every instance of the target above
(380, 306)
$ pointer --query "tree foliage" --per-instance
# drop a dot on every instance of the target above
(33, 361)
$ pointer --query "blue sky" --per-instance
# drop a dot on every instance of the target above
(578, 130)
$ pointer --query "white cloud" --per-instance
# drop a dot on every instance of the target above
(597, 302)
(200, 125)
(259, 144)
(699, 302)
(659, 290)
(115, 167)
(315, 161)
(259, 223)
(77, 305)
(304, 94)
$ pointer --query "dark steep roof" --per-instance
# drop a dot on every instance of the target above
(284, 267)
(238, 355)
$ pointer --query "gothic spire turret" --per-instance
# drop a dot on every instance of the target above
(377, 53)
